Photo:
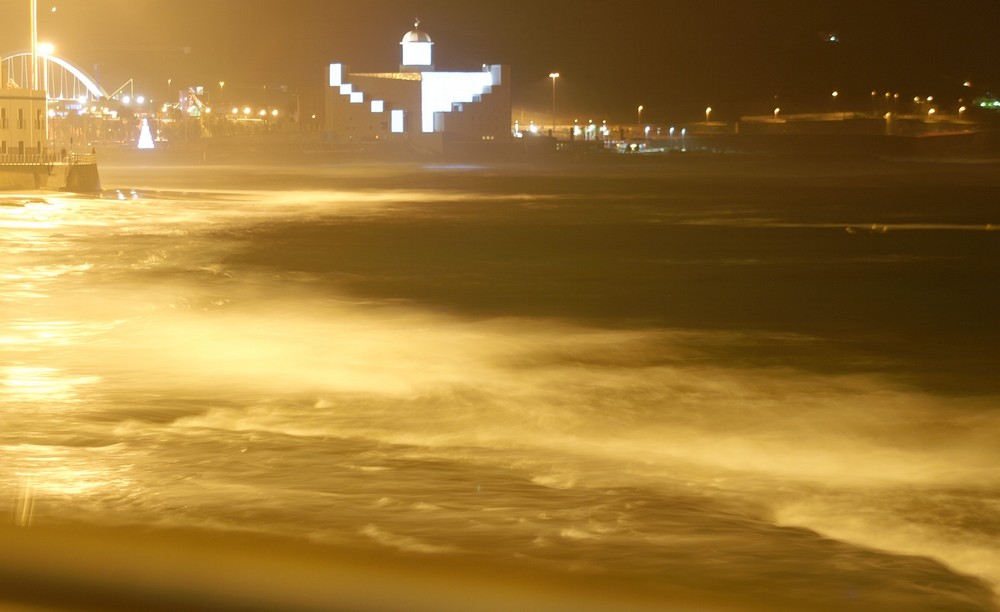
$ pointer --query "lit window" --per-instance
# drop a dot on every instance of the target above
(378, 106)
(397, 121)
(417, 54)
(441, 91)
(336, 75)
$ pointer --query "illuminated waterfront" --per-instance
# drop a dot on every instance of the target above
(745, 384)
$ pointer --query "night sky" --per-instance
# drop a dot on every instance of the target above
(673, 56)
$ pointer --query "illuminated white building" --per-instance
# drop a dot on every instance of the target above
(418, 103)
(23, 124)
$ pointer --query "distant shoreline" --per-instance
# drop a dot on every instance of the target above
(978, 147)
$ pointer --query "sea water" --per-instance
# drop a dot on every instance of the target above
(733, 383)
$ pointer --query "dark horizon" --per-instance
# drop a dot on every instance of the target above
(675, 58)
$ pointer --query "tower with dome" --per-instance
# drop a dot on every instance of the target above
(417, 103)
(418, 50)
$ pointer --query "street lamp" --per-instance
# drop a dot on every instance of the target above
(640, 109)
(776, 111)
(33, 25)
(553, 76)
(45, 50)
(708, 114)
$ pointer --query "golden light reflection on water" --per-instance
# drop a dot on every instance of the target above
(45, 476)
(519, 389)
(24, 504)
(42, 385)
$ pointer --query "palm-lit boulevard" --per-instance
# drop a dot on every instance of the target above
(404, 329)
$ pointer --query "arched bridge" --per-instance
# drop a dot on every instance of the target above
(63, 80)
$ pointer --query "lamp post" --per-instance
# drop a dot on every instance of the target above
(708, 114)
(33, 24)
(45, 50)
(553, 76)
(639, 110)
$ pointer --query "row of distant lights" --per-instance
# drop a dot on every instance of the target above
(577, 130)
(140, 100)
(591, 129)
(247, 111)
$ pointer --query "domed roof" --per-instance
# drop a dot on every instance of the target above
(416, 35)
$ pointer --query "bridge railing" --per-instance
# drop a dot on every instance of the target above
(48, 157)
(27, 158)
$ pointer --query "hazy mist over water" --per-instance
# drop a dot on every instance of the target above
(717, 384)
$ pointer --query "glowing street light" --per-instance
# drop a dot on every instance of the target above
(640, 109)
(961, 111)
(776, 111)
(553, 76)
(708, 114)
(45, 50)
(33, 25)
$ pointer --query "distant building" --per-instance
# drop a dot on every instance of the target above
(418, 103)
(23, 122)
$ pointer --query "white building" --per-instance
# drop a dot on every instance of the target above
(23, 123)
(418, 103)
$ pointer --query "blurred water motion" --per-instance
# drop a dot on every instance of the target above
(636, 384)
